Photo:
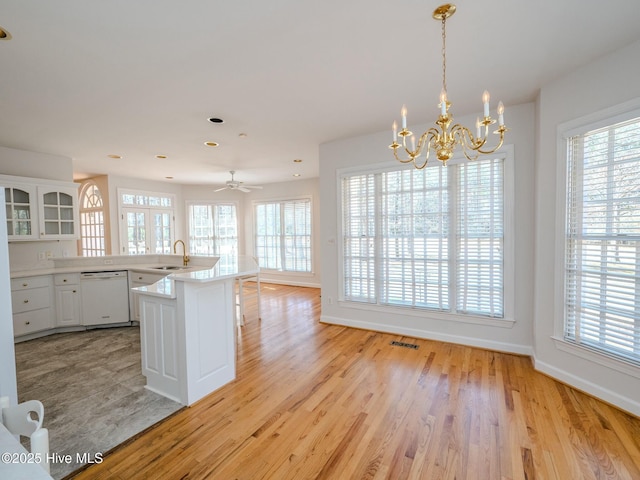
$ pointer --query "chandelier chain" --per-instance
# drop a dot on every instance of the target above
(446, 136)
(444, 54)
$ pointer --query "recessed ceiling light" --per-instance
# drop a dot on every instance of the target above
(296, 174)
(216, 120)
(169, 178)
(211, 144)
(114, 156)
(161, 156)
(242, 135)
(297, 160)
(4, 35)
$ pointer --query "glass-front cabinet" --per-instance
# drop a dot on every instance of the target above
(58, 207)
(21, 212)
(40, 210)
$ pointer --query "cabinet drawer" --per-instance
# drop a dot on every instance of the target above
(145, 278)
(29, 282)
(30, 322)
(31, 299)
(66, 279)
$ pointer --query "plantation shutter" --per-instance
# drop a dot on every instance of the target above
(358, 227)
(602, 263)
(297, 235)
(414, 216)
(480, 237)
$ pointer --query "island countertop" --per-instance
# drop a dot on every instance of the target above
(226, 267)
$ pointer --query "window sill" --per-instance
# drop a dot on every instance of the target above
(597, 357)
(431, 315)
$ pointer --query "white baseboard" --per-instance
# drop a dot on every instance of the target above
(627, 404)
(431, 335)
(293, 283)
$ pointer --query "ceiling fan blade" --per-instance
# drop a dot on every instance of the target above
(243, 189)
(220, 189)
(258, 187)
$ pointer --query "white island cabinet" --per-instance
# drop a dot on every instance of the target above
(188, 330)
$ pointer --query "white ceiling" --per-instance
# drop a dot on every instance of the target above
(89, 78)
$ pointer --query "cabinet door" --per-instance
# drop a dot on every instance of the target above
(58, 209)
(68, 306)
(20, 203)
(138, 279)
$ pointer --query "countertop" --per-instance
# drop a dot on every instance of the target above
(137, 263)
(225, 268)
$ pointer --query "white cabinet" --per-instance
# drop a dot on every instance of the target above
(32, 304)
(68, 300)
(20, 201)
(159, 346)
(58, 212)
(138, 279)
(40, 209)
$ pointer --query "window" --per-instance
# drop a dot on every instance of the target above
(283, 235)
(213, 229)
(602, 239)
(429, 239)
(146, 222)
(91, 221)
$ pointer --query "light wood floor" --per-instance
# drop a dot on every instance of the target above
(327, 402)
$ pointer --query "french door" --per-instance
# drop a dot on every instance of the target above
(146, 231)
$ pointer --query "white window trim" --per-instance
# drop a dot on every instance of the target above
(82, 210)
(599, 119)
(122, 232)
(190, 203)
(310, 273)
(506, 152)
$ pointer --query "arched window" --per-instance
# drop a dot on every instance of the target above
(91, 221)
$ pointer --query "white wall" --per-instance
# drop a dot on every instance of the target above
(38, 165)
(610, 81)
(372, 149)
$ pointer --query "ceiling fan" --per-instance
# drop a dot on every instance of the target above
(236, 185)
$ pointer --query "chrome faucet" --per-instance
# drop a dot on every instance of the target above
(185, 257)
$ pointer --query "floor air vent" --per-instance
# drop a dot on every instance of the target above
(405, 345)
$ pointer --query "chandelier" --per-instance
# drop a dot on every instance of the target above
(444, 139)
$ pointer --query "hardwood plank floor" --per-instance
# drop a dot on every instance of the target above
(328, 402)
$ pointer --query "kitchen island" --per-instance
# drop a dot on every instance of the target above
(188, 330)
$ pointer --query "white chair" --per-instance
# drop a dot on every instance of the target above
(248, 286)
(19, 420)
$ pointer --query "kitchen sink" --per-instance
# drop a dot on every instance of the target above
(168, 267)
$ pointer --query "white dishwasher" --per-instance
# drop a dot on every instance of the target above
(105, 297)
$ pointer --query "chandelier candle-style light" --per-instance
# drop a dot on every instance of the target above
(444, 139)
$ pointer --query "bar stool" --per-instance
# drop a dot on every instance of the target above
(248, 286)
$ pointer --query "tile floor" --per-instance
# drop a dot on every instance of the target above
(92, 388)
